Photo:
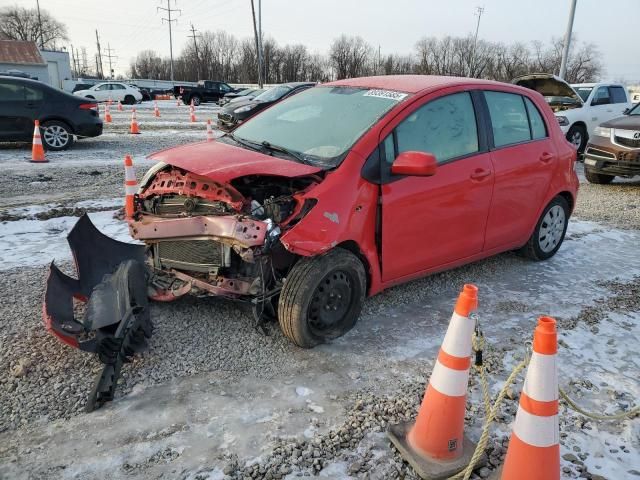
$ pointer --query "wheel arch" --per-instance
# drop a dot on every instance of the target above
(353, 247)
(568, 197)
(58, 118)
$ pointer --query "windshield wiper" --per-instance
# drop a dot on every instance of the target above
(244, 143)
(291, 153)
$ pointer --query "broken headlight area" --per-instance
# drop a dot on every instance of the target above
(205, 238)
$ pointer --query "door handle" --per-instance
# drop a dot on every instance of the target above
(546, 157)
(479, 174)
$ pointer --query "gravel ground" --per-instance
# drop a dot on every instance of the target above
(42, 381)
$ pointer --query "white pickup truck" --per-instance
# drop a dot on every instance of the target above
(581, 107)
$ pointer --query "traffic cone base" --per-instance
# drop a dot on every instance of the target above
(430, 468)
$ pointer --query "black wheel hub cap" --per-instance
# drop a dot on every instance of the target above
(331, 302)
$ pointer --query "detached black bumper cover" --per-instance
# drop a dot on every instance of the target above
(112, 282)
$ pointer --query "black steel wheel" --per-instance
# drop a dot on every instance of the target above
(322, 298)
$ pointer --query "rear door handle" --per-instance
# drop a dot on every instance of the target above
(546, 157)
(479, 174)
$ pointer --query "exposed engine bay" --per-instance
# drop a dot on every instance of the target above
(208, 238)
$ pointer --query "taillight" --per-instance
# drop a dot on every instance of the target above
(88, 106)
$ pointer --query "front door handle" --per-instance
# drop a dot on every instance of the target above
(546, 157)
(479, 174)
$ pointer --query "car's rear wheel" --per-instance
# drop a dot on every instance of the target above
(577, 136)
(196, 100)
(129, 100)
(599, 178)
(322, 298)
(56, 135)
(549, 232)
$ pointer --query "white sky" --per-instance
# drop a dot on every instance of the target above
(129, 26)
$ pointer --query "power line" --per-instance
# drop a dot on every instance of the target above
(109, 56)
(169, 11)
(99, 57)
(195, 45)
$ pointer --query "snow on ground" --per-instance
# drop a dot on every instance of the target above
(25, 243)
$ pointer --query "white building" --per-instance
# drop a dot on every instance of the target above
(20, 58)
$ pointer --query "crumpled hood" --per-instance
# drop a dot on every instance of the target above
(547, 85)
(222, 162)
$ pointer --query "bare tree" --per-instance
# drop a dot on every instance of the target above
(19, 23)
(350, 57)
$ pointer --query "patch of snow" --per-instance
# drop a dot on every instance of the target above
(303, 391)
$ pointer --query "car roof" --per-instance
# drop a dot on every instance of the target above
(297, 84)
(410, 83)
(35, 83)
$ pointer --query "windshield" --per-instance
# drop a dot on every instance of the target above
(273, 93)
(583, 92)
(320, 124)
(635, 110)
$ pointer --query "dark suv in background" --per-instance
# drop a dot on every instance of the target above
(62, 116)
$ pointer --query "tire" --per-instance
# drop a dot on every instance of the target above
(129, 100)
(577, 136)
(316, 287)
(196, 100)
(550, 230)
(56, 135)
(598, 178)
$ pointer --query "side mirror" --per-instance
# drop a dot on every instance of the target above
(418, 164)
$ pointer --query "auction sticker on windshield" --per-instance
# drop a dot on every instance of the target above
(389, 94)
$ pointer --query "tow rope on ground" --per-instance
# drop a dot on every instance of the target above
(491, 410)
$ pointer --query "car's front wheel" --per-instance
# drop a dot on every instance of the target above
(549, 232)
(129, 100)
(322, 297)
(56, 135)
(599, 178)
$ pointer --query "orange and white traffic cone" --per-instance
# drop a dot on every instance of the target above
(156, 110)
(107, 114)
(119, 106)
(37, 151)
(134, 123)
(210, 137)
(192, 117)
(130, 187)
(534, 448)
(435, 445)
(109, 102)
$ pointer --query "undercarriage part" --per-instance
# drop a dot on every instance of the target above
(112, 282)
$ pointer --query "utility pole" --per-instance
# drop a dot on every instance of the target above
(40, 25)
(169, 11)
(261, 59)
(479, 12)
(195, 45)
(109, 56)
(255, 32)
(567, 40)
(85, 63)
(99, 57)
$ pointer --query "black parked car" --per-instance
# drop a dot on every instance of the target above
(235, 113)
(62, 116)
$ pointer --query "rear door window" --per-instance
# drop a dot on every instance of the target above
(11, 92)
(509, 119)
(618, 95)
(445, 127)
(33, 94)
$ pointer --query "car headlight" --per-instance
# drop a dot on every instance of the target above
(562, 121)
(246, 108)
(602, 132)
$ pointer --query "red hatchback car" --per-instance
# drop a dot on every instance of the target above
(351, 187)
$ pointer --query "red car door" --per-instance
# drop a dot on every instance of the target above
(524, 159)
(430, 222)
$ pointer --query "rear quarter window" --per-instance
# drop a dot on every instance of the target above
(11, 92)
(618, 95)
(538, 127)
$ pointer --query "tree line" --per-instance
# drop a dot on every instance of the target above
(221, 56)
